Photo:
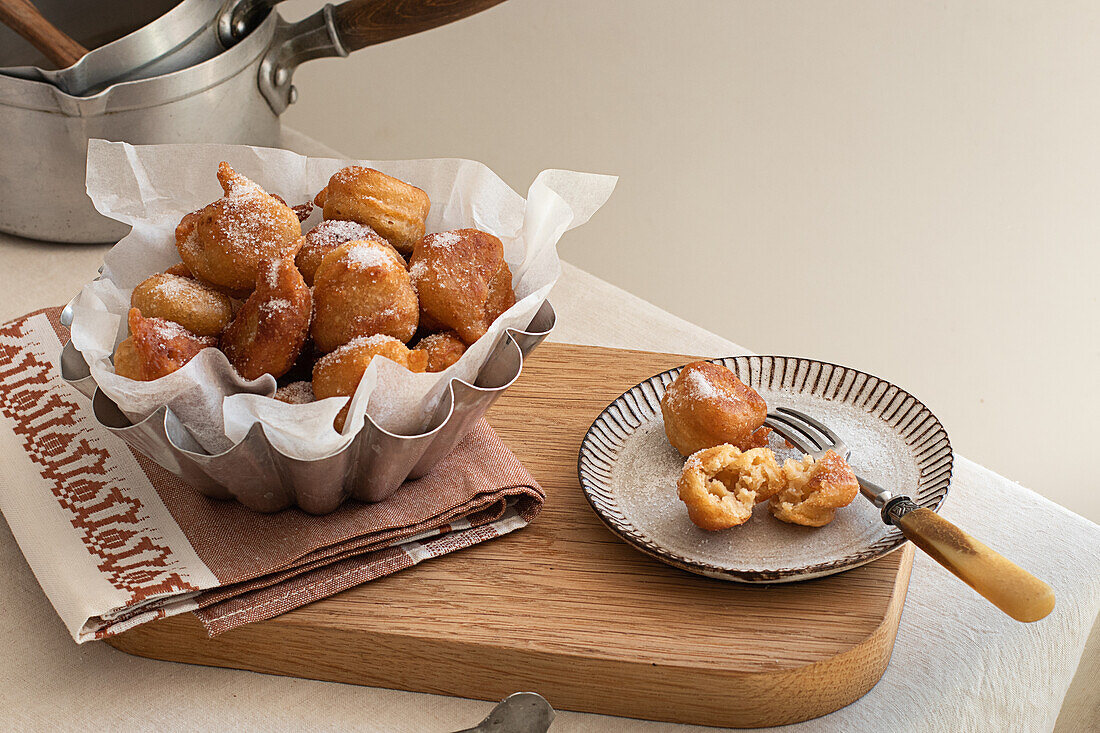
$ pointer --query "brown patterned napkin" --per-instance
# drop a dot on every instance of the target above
(115, 540)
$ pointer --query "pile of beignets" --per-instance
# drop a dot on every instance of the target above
(716, 420)
(314, 309)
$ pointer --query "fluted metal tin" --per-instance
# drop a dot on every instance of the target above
(370, 468)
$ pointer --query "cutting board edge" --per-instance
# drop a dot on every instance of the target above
(556, 676)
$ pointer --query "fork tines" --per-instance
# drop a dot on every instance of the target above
(804, 432)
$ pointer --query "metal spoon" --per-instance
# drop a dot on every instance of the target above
(520, 712)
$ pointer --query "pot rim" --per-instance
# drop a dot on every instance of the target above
(143, 93)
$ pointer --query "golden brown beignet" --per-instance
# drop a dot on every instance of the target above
(338, 374)
(721, 485)
(814, 490)
(197, 307)
(362, 289)
(462, 280)
(708, 405)
(224, 242)
(156, 348)
(391, 207)
(268, 331)
(443, 349)
(236, 297)
(326, 237)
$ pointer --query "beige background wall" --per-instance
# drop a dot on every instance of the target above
(910, 188)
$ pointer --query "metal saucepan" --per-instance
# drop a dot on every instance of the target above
(235, 97)
(184, 36)
(103, 27)
(188, 34)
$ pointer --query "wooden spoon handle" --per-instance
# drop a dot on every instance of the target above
(363, 23)
(1004, 583)
(22, 17)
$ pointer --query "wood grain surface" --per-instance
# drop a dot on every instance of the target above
(566, 609)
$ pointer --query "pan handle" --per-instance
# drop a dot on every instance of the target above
(362, 23)
(350, 26)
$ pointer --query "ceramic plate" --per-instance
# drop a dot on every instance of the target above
(628, 472)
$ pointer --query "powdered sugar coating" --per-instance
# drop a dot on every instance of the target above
(174, 286)
(444, 239)
(295, 393)
(368, 254)
(276, 304)
(169, 329)
(334, 232)
(462, 281)
(418, 270)
(362, 342)
(698, 386)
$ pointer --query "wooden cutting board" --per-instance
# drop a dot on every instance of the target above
(566, 609)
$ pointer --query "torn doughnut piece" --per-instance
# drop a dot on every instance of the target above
(721, 485)
(814, 490)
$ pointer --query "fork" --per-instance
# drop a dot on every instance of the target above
(1003, 583)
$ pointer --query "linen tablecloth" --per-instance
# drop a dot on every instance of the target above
(958, 663)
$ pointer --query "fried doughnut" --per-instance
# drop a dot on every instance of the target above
(324, 238)
(295, 393)
(181, 270)
(721, 485)
(197, 307)
(362, 289)
(708, 405)
(393, 208)
(156, 348)
(338, 374)
(463, 282)
(814, 490)
(268, 331)
(236, 297)
(224, 242)
(443, 349)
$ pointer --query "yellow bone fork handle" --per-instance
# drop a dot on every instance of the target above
(1004, 583)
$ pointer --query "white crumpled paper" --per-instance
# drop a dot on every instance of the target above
(151, 187)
